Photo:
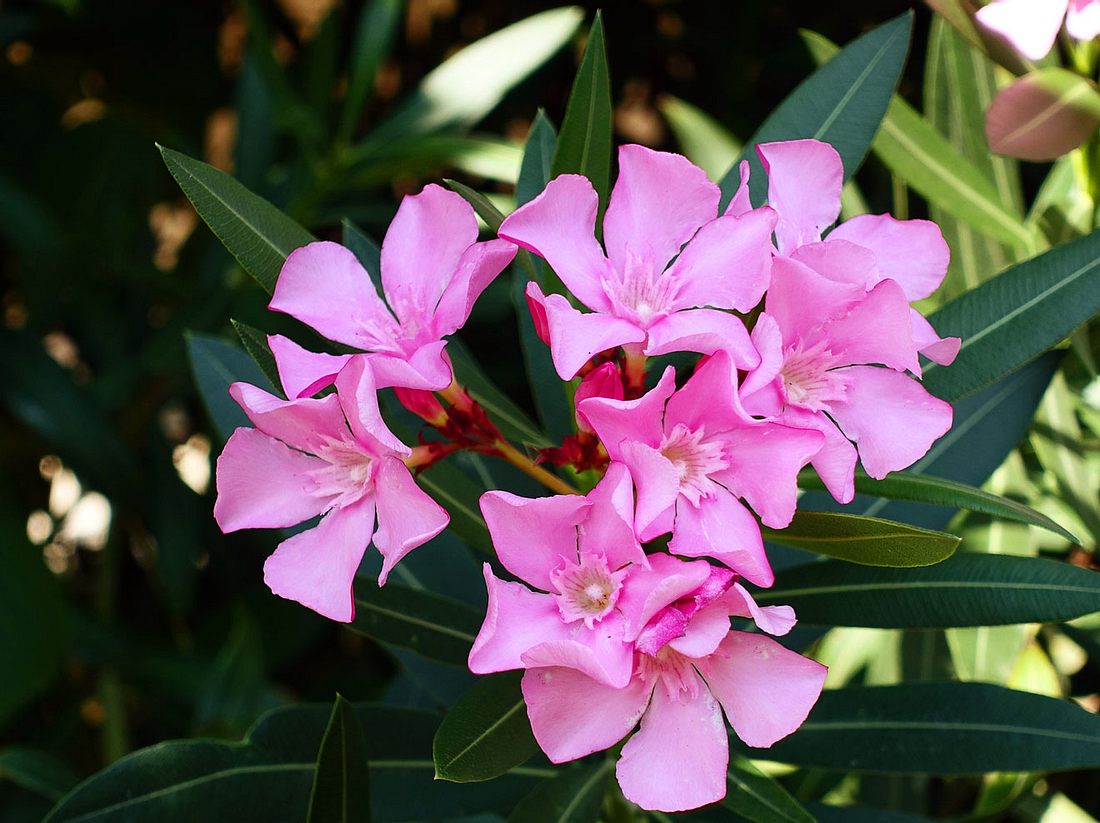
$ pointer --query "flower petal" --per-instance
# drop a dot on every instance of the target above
(768, 341)
(316, 567)
(407, 516)
(659, 201)
(840, 260)
(422, 249)
(575, 337)
(307, 423)
(533, 537)
(677, 760)
(657, 482)
(835, 463)
(890, 417)
(359, 399)
(640, 420)
(775, 620)
(559, 226)
(800, 300)
(426, 368)
(741, 202)
(704, 631)
(477, 268)
(942, 350)
(1083, 19)
(725, 530)
(573, 715)
(705, 331)
(804, 182)
(708, 399)
(599, 652)
(876, 329)
(912, 253)
(1030, 26)
(303, 373)
(766, 689)
(262, 484)
(609, 528)
(646, 591)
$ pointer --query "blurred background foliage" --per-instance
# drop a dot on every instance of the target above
(125, 617)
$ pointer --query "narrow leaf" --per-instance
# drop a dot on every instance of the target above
(1043, 115)
(37, 772)
(485, 733)
(757, 797)
(538, 159)
(482, 205)
(216, 364)
(255, 343)
(703, 140)
(256, 233)
(574, 796)
(864, 540)
(374, 34)
(455, 492)
(966, 590)
(341, 787)
(364, 247)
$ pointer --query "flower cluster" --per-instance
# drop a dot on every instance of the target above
(621, 604)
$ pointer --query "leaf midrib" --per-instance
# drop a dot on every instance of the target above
(496, 724)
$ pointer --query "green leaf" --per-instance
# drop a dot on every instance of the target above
(937, 491)
(1013, 318)
(703, 140)
(757, 797)
(943, 729)
(917, 152)
(482, 205)
(467, 86)
(864, 540)
(435, 626)
(256, 233)
(255, 343)
(216, 364)
(841, 103)
(37, 772)
(455, 492)
(584, 142)
(965, 590)
(485, 733)
(374, 36)
(365, 249)
(538, 159)
(574, 796)
(341, 785)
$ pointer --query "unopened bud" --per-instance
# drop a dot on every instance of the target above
(535, 304)
(423, 404)
(602, 381)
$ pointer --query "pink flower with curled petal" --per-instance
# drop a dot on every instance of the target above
(694, 453)
(432, 272)
(689, 667)
(1031, 26)
(331, 456)
(671, 264)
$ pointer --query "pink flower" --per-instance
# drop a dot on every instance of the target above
(688, 667)
(432, 272)
(692, 453)
(605, 380)
(1031, 26)
(650, 292)
(331, 456)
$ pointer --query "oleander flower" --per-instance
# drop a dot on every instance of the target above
(689, 668)
(432, 271)
(693, 453)
(331, 456)
(1032, 26)
(671, 263)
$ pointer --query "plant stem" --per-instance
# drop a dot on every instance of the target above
(509, 452)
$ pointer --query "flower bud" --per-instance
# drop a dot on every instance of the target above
(423, 404)
(602, 381)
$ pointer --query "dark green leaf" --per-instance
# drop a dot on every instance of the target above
(256, 233)
(482, 205)
(365, 249)
(860, 814)
(841, 103)
(341, 786)
(538, 159)
(757, 797)
(1013, 318)
(437, 627)
(374, 35)
(485, 733)
(216, 364)
(574, 796)
(966, 590)
(937, 491)
(37, 772)
(864, 540)
(255, 343)
(584, 142)
(458, 494)
(943, 729)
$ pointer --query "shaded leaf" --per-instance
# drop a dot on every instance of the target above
(255, 343)
(1043, 115)
(757, 797)
(216, 364)
(864, 540)
(538, 159)
(374, 34)
(574, 796)
(37, 772)
(341, 786)
(365, 249)
(482, 205)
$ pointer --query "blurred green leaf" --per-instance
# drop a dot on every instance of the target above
(841, 103)
(374, 35)
(1013, 318)
(216, 364)
(485, 733)
(365, 249)
(865, 540)
(942, 729)
(37, 772)
(482, 205)
(584, 141)
(433, 625)
(1043, 115)
(703, 140)
(965, 590)
(574, 796)
(757, 797)
(341, 785)
(319, 70)
(256, 233)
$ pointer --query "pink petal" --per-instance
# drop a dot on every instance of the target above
(573, 715)
(708, 399)
(1083, 19)
(912, 253)
(804, 182)
(308, 424)
(262, 484)
(876, 329)
(768, 342)
(677, 760)
(303, 373)
(657, 482)
(800, 300)
(599, 652)
(740, 202)
(422, 249)
(359, 399)
(659, 201)
(942, 350)
(835, 464)
(1030, 26)
(325, 287)
(316, 567)
(617, 420)
(646, 591)
(725, 530)
(575, 337)
(840, 260)
(426, 368)
(766, 689)
(407, 516)
(608, 529)
(775, 620)
(603, 381)
(890, 417)
(477, 268)
(559, 226)
(705, 331)
(706, 629)
(727, 264)
(513, 520)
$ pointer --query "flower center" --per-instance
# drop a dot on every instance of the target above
(671, 670)
(695, 459)
(810, 378)
(638, 293)
(348, 475)
(587, 591)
